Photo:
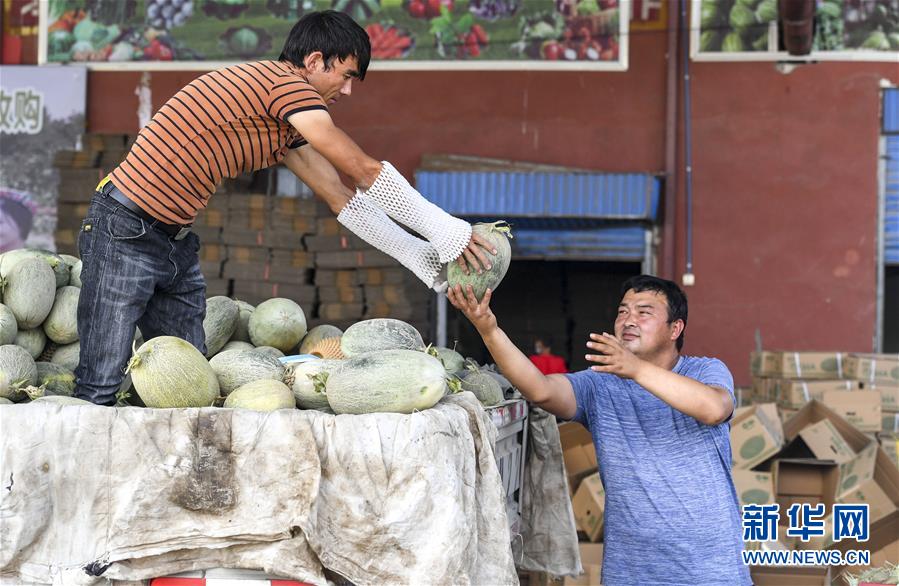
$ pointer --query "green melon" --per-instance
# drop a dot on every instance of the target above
(75, 278)
(220, 322)
(61, 324)
(67, 356)
(169, 372)
(242, 331)
(452, 360)
(8, 326)
(236, 345)
(56, 379)
(279, 323)
(261, 395)
(316, 335)
(236, 368)
(61, 269)
(498, 234)
(303, 380)
(484, 387)
(17, 371)
(389, 381)
(268, 350)
(30, 292)
(373, 335)
(34, 341)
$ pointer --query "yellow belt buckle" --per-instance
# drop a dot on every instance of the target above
(103, 182)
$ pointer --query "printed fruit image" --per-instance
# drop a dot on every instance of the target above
(389, 41)
(358, 9)
(225, 9)
(494, 9)
(427, 8)
(246, 41)
(752, 447)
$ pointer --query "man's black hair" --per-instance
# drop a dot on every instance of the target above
(674, 295)
(333, 33)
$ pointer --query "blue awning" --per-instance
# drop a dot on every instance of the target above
(587, 198)
(614, 243)
(555, 215)
(891, 111)
(891, 218)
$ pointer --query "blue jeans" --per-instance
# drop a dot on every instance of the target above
(133, 274)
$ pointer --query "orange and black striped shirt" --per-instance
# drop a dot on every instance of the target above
(222, 124)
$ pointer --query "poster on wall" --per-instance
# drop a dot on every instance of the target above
(18, 31)
(747, 30)
(41, 112)
(405, 34)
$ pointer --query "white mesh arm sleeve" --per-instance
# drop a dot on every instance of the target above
(365, 219)
(402, 202)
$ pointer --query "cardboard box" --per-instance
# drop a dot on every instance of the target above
(589, 504)
(794, 393)
(785, 414)
(889, 395)
(882, 535)
(826, 443)
(811, 365)
(789, 576)
(880, 505)
(889, 422)
(755, 435)
(342, 295)
(591, 560)
(890, 446)
(763, 363)
(336, 278)
(578, 453)
(754, 488)
(860, 408)
(761, 390)
(348, 259)
(874, 368)
(853, 472)
(804, 481)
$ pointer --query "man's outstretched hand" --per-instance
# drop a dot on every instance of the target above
(478, 313)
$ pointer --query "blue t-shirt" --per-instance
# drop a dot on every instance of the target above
(671, 513)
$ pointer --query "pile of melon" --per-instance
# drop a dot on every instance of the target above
(261, 358)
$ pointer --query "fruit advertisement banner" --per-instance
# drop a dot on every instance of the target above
(405, 34)
(41, 112)
(845, 30)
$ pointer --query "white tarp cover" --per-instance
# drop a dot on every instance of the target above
(131, 493)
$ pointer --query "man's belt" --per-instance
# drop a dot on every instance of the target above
(175, 231)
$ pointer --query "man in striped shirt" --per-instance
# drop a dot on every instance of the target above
(140, 260)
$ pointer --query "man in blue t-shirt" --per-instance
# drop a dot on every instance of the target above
(659, 424)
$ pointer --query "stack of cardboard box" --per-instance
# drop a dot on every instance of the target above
(79, 172)
(262, 236)
(826, 451)
(879, 374)
(844, 382)
(264, 254)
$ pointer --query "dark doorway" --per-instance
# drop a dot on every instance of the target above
(891, 310)
(562, 300)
